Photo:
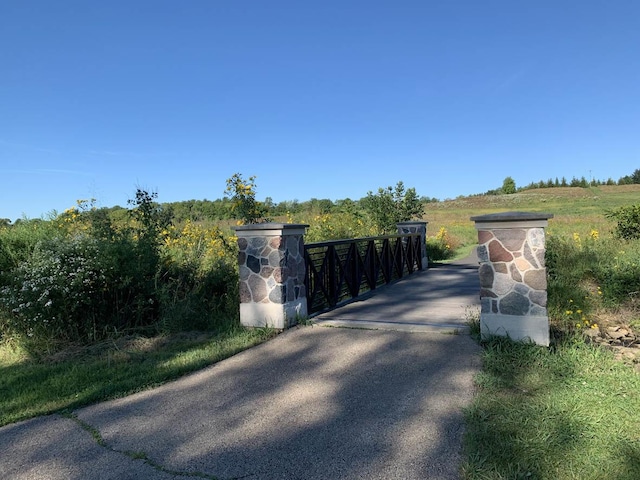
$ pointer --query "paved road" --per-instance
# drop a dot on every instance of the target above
(313, 403)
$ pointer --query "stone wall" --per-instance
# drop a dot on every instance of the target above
(513, 281)
(272, 272)
(413, 228)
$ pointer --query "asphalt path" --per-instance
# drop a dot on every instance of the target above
(313, 403)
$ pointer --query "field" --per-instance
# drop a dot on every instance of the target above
(574, 209)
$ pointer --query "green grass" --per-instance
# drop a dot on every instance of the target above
(32, 387)
(575, 209)
(569, 412)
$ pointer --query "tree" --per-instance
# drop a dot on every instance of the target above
(392, 205)
(243, 198)
(509, 186)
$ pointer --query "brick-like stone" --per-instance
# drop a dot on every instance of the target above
(276, 242)
(514, 304)
(515, 273)
(258, 288)
(522, 264)
(528, 254)
(245, 293)
(487, 293)
(500, 267)
(242, 244)
(253, 263)
(485, 305)
(502, 283)
(276, 259)
(256, 245)
(522, 289)
(484, 236)
(535, 237)
(267, 271)
(278, 294)
(278, 274)
(539, 297)
(512, 239)
(483, 254)
(290, 289)
(486, 275)
(244, 272)
(497, 253)
(293, 245)
(538, 311)
(536, 279)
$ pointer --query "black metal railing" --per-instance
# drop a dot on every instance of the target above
(340, 270)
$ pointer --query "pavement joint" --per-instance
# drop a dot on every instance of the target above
(134, 455)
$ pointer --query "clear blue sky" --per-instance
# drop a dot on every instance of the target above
(324, 99)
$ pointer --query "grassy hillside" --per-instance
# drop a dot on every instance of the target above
(575, 209)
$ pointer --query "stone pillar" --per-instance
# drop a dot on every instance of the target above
(513, 277)
(417, 227)
(272, 274)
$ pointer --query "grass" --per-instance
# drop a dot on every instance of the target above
(570, 412)
(74, 378)
(575, 209)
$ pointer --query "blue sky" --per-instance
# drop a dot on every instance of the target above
(326, 99)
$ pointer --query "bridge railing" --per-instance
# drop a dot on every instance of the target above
(340, 270)
(282, 280)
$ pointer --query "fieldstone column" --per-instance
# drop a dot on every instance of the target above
(272, 273)
(513, 276)
(421, 228)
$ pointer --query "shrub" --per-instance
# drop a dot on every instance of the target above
(628, 218)
(88, 278)
(53, 295)
(441, 246)
(199, 289)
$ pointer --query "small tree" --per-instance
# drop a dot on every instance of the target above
(243, 197)
(509, 186)
(392, 205)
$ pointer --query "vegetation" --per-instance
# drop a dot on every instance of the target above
(79, 376)
(391, 205)
(98, 303)
(81, 277)
(572, 410)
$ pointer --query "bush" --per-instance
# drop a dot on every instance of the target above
(88, 278)
(53, 295)
(628, 218)
(441, 247)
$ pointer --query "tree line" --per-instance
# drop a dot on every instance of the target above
(509, 184)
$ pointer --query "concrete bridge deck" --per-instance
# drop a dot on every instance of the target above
(441, 298)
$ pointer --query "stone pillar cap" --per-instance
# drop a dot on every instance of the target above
(512, 220)
(511, 217)
(269, 226)
(267, 229)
